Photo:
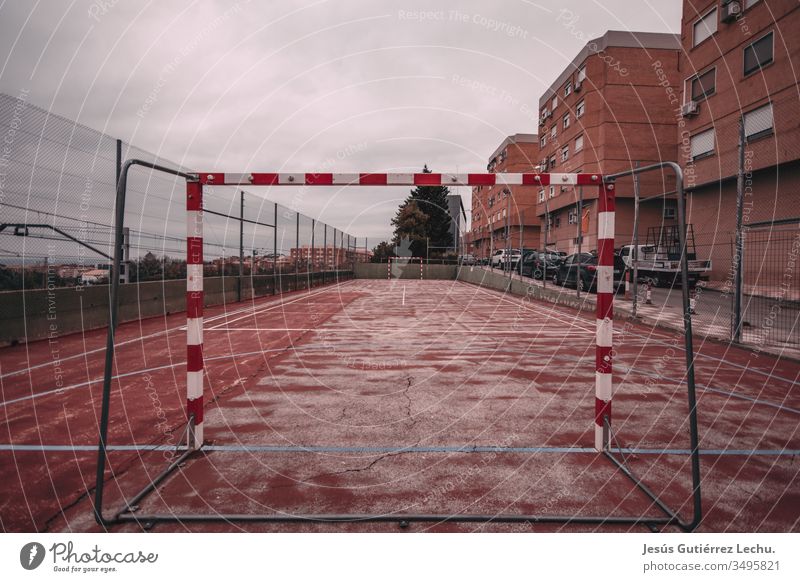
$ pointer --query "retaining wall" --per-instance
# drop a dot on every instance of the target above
(40, 313)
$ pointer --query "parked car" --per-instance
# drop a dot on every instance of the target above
(516, 259)
(580, 270)
(467, 259)
(540, 264)
(501, 257)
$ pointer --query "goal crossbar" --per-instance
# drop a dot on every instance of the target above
(195, 375)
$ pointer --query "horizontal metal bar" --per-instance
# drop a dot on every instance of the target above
(377, 517)
(207, 211)
(779, 222)
(466, 449)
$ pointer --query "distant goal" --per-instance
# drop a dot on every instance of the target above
(405, 268)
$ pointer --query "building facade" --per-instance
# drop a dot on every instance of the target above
(505, 216)
(739, 64)
(455, 207)
(613, 107)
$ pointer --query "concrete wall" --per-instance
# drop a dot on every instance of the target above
(38, 314)
(411, 271)
(489, 280)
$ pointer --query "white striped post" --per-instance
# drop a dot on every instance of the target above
(194, 311)
(605, 316)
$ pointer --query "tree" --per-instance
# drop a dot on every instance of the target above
(382, 252)
(423, 219)
(411, 230)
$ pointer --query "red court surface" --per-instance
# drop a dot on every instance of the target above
(396, 397)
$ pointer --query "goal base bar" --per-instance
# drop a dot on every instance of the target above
(128, 512)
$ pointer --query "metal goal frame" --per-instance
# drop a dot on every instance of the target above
(603, 436)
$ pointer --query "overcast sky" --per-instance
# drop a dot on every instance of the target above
(300, 86)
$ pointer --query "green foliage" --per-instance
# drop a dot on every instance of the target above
(423, 219)
(382, 252)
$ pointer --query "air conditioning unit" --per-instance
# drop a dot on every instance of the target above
(731, 11)
(690, 108)
(548, 113)
(578, 86)
(541, 122)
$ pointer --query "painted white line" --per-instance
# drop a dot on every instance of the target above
(99, 379)
(404, 294)
(181, 327)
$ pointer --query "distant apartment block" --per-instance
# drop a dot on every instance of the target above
(328, 256)
(611, 108)
(505, 216)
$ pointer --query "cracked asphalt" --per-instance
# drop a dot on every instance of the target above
(407, 397)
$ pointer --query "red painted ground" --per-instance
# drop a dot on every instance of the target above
(397, 364)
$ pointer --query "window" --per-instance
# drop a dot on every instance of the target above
(552, 191)
(759, 54)
(581, 74)
(670, 212)
(543, 141)
(554, 104)
(541, 195)
(749, 3)
(552, 164)
(565, 153)
(702, 144)
(705, 27)
(759, 122)
(554, 131)
(567, 88)
(704, 85)
(572, 217)
(579, 143)
(565, 121)
(579, 109)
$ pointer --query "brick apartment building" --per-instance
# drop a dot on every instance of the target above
(740, 59)
(505, 216)
(329, 256)
(613, 106)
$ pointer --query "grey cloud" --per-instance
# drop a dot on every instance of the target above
(290, 84)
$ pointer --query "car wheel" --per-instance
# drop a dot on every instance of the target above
(555, 280)
(537, 274)
(581, 284)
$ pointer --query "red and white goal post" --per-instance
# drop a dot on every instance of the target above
(194, 259)
(406, 262)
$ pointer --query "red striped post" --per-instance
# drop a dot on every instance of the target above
(194, 310)
(605, 315)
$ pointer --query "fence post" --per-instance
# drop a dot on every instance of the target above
(635, 254)
(737, 257)
(580, 238)
(310, 262)
(275, 252)
(241, 246)
(324, 251)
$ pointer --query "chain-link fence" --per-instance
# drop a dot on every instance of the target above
(770, 310)
(57, 199)
(57, 195)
